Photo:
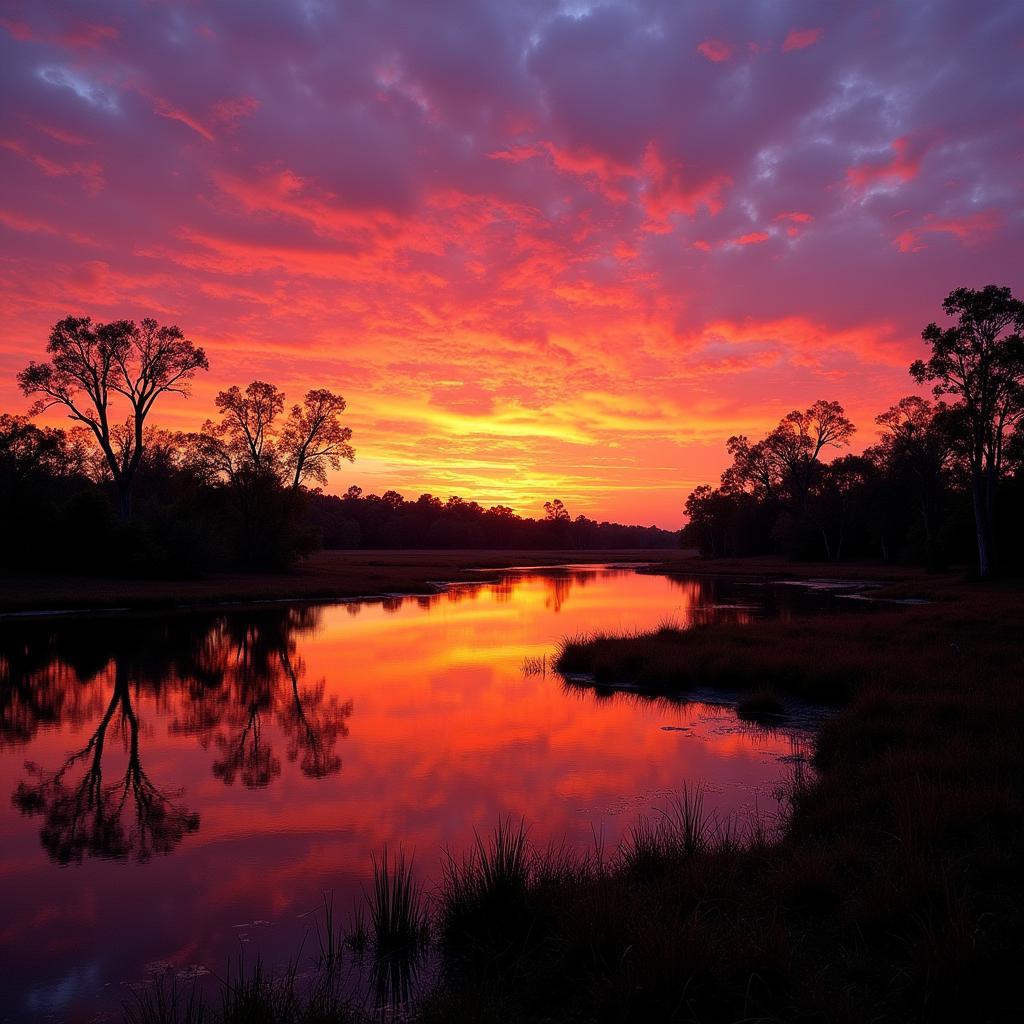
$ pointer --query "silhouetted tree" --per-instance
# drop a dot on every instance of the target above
(314, 439)
(556, 512)
(836, 503)
(980, 361)
(781, 470)
(917, 449)
(783, 465)
(265, 463)
(90, 363)
(245, 427)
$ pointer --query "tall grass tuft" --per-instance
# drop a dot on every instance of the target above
(331, 939)
(689, 826)
(258, 997)
(484, 892)
(682, 831)
(534, 665)
(398, 914)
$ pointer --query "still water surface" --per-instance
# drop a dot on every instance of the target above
(179, 787)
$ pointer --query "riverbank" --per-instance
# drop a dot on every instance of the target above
(324, 576)
(341, 575)
(893, 892)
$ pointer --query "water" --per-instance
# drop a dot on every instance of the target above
(178, 788)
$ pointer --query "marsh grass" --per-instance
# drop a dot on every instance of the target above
(398, 913)
(357, 935)
(166, 999)
(487, 885)
(330, 938)
(889, 888)
(682, 830)
(258, 996)
(534, 665)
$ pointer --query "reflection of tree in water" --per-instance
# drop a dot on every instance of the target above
(228, 678)
(37, 689)
(259, 681)
(709, 600)
(128, 816)
(559, 585)
(504, 588)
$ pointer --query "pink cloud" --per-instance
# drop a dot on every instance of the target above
(672, 189)
(903, 166)
(90, 171)
(230, 111)
(970, 230)
(800, 38)
(173, 113)
(715, 50)
(79, 36)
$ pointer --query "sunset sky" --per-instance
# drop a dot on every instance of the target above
(543, 249)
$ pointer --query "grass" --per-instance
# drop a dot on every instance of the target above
(891, 890)
(487, 885)
(534, 665)
(166, 1000)
(397, 911)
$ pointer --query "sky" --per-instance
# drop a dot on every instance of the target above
(543, 249)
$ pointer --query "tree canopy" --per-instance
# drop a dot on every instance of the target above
(90, 363)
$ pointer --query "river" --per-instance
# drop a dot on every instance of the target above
(180, 787)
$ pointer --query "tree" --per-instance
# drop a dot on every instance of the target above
(246, 424)
(314, 440)
(265, 461)
(916, 450)
(91, 362)
(980, 362)
(556, 512)
(836, 505)
(783, 465)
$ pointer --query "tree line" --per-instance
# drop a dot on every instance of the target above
(391, 521)
(945, 480)
(117, 494)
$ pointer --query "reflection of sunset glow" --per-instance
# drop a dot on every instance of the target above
(563, 251)
(302, 739)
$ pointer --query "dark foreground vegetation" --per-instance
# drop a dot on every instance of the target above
(891, 889)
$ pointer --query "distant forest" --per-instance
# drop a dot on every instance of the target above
(114, 494)
(945, 482)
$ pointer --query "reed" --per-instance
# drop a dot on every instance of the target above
(398, 914)
(165, 999)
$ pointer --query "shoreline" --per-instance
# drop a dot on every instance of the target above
(335, 576)
(327, 576)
